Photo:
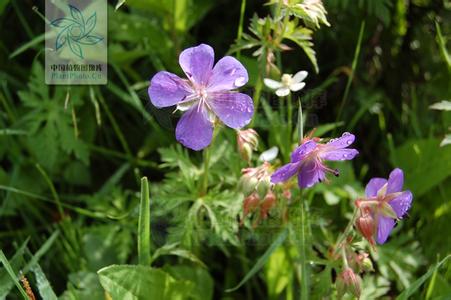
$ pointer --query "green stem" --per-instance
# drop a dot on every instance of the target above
(56, 198)
(144, 225)
(304, 278)
(256, 98)
(354, 66)
(240, 26)
(343, 256)
(207, 157)
(346, 232)
(290, 118)
(116, 127)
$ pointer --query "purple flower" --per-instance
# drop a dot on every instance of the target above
(206, 94)
(385, 202)
(307, 160)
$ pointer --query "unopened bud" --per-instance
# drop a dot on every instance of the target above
(247, 141)
(250, 204)
(263, 186)
(247, 184)
(366, 225)
(348, 282)
(367, 265)
(267, 204)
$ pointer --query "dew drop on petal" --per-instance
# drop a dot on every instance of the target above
(240, 81)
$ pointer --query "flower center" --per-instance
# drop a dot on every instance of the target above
(202, 94)
(286, 79)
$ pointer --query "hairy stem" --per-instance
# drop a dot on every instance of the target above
(207, 156)
(345, 233)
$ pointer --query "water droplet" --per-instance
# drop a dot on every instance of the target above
(345, 134)
(240, 81)
(349, 142)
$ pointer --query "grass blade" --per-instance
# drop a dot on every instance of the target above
(354, 66)
(11, 273)
(262, 260)
(144, 225)
(44, 287)
(417, 283)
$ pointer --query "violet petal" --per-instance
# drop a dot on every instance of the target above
(402, 203)
(302, 150)
(197, 63)
(339, 154)
(194, 130)
(227, 74)
(310, 174)
(395, 181)
(374, 185)
(384, 227)
(342, 142)
(284, 173)
(233, 109)
(167, 89)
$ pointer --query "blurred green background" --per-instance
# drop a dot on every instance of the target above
(86, 147)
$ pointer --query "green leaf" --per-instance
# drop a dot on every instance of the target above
(203, 288)
(172, 249)
(12, 274)
(44, 287)
(303, 38)
(278, 271)
(442, 45)
(419, 282)
(144, 225)
(127, 282)
(262, 260)
(15, 263)
(420, 157)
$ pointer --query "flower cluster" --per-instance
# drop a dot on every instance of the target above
(255, 185)
(209, 93)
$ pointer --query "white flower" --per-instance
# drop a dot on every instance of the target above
(269, 154)
(288, 83)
